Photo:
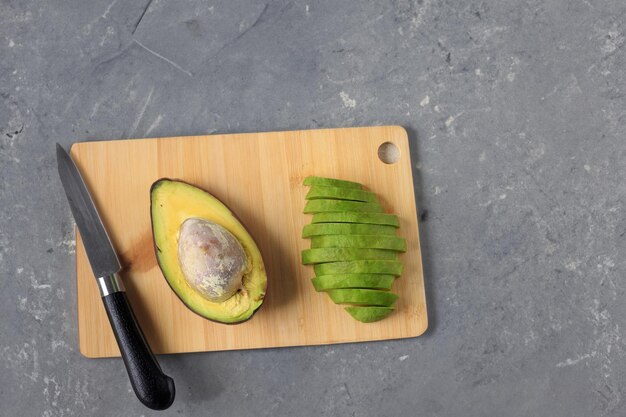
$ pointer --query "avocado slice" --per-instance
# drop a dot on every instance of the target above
(321, 255)
(362, 297)
(369, 314)
(360, 267)
(339, 193)
(376, 281)
(320, 229)
(356, 217)
(325, 205)
(331, 182)
(195, 237)
(359, 241)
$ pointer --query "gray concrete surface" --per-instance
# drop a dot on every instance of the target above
(517, 117)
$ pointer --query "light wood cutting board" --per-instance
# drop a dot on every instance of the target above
(259, 176)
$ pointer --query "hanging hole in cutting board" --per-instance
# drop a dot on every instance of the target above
(388, 153)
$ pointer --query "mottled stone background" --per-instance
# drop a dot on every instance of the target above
(517, 116)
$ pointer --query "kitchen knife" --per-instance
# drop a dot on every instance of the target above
(153, 388)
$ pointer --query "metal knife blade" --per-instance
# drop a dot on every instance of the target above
(100, 251)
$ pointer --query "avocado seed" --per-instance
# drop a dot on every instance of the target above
(211, 258)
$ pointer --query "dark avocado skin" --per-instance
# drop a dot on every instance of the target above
(157, 250)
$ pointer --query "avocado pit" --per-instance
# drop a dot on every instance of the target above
(211, 258)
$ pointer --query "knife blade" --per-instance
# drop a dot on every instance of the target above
(152, 387)
(100, 252)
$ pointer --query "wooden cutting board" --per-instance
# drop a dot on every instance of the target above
(259, 176)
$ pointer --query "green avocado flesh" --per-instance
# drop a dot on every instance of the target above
(363, 297)
(321, 255)
(360, 267)
(323, 206)
(338, 193)
(331, 182)
(357, 217)
(376, 281)
(320, 229)
(359, 241)
(369, 314)
(354, 247)
(193, 260)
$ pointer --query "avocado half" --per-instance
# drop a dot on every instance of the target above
(171, 204)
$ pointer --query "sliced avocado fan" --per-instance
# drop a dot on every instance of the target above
(354, 247)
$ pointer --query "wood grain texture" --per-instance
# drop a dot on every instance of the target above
(259, 176)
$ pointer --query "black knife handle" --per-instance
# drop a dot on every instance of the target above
(153, 388)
